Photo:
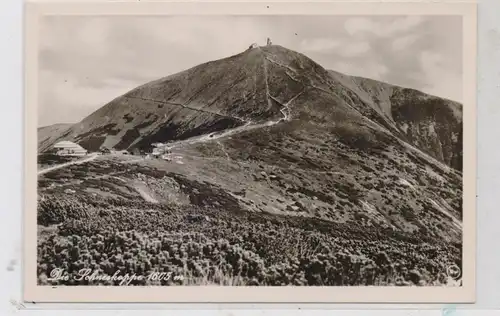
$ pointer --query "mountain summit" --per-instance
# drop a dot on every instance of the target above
(254, 87)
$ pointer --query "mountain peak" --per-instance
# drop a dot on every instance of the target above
(264, 85)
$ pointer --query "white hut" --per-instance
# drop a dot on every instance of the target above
(67, 148)
(157, 152)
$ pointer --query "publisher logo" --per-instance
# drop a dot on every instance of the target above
(454, 272)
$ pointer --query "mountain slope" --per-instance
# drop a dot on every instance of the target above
(48, 135)
(334, 165)
(275, 161)
(232, 92)
(343, 149)
(249, 88)
(206, 98)
(430, 123)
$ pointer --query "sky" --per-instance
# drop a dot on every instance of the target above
(86, 61)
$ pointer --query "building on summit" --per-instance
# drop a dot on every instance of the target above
(255, 45)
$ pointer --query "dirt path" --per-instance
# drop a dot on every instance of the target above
(77, 162)
(132, 161)
(188, 107)
(432, 159)
(264, 65)
(279, 64)
(285, 111)
(224, 150)
(316, 87)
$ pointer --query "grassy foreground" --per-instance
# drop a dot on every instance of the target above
(209, 246)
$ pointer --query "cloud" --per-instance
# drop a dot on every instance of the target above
(381, 27)
(405, 24)
(437, 79)
(369, 70)
(358, 25)
(403, 42)
(319, 44)
(375, 71)
(342, 47)
(86, 61)
(355, 49)
(69, 100)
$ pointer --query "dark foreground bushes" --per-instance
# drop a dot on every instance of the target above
(208, 246)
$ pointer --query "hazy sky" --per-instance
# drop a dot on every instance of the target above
(86, 62)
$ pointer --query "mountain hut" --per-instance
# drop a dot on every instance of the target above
(67, 148)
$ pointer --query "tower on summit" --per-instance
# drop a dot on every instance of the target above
(269, 43)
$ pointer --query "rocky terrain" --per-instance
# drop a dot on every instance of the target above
(430, 123)
(282, 172)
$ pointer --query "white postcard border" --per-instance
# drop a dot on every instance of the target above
(219, 294)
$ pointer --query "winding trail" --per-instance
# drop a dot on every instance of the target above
(294, 71)
(286, 108)
(188, 107)
(131, 161)
(285, 111)
(316, 87)
(264, 65)
(294, 79)
(279, 64)
(76, 162)
(224, 150)
(248, 125)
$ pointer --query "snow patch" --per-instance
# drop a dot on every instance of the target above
(405, 127)
(432, 129)
(433, 174)
(444, 211)
(368, 207)
(405, 183)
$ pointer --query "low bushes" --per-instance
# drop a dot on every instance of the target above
(209, 246)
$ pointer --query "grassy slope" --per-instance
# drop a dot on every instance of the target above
(49, 134)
